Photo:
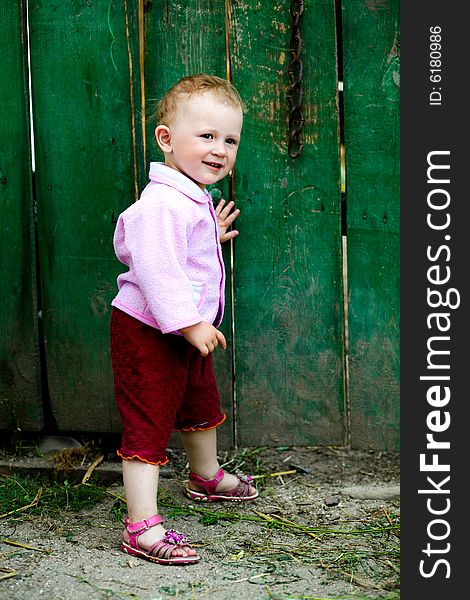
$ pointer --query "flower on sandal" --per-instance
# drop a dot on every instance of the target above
(245, 477)
(174, 537)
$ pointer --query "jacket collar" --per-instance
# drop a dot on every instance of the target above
(160, 173)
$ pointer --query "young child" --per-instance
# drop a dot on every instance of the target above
(165, 316)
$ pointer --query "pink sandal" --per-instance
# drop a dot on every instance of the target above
(242, 491)
(161, 551)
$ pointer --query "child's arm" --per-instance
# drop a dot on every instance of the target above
(225, 219)
(204, 336)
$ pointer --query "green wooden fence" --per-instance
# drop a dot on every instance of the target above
(371, 101)
(96, 70)
(20, 404)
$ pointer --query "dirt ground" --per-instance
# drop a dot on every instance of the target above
(328, 530)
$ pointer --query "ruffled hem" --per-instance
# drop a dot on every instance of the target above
(160, 462)
(196, 428)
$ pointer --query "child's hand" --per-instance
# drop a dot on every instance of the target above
(225, 219)
(204, 336)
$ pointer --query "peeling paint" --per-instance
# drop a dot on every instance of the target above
(376, 5)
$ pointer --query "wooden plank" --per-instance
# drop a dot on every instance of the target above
(85, 75)
(20, 402)
(181, 38)
(371, 102)
(288, 287)
(185, 38)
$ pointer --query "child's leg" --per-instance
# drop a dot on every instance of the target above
(201, 450)
(140, 488)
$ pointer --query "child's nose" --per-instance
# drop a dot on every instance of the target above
(219, 148)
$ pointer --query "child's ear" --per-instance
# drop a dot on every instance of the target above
(163, 137)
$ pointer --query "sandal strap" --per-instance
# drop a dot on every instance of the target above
(242, 489)
(161, 550)
(140, 526)
(208, 484)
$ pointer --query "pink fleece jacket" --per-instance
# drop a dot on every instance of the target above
(169, 240)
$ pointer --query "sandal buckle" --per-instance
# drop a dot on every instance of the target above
(140, 526)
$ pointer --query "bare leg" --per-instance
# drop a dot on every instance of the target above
(140, 487)
(201, 450)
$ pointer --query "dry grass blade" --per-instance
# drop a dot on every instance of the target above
(292, 472)
(91, 468)
(18, 545)
(387, 516)
(361, 581)
(251, 577)
(113, 495)
(8, 572)
(30, 505)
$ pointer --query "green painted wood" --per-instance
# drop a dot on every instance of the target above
(82, 54)
(181, 38)
(371, 103)
(20, 403)
(288, 296)
(185, 38)
(288, 286)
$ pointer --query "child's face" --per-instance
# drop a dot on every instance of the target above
(203, 138)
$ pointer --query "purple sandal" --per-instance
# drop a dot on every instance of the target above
(242, 491)
(161, 551)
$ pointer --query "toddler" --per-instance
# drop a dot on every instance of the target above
(166, 313)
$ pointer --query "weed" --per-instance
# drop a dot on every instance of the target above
(17, 491)
(119, 509)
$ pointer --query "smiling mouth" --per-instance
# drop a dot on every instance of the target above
(213, 165)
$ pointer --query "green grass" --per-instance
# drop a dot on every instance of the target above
(339, 551)
(17, 492)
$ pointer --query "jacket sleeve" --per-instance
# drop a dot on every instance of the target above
(156, 235)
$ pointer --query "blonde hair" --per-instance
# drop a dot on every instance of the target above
(195, 84)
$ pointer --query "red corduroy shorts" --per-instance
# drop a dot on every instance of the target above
(161, 383)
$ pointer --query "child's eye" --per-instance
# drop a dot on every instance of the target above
(207, 136)
(232, 141)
